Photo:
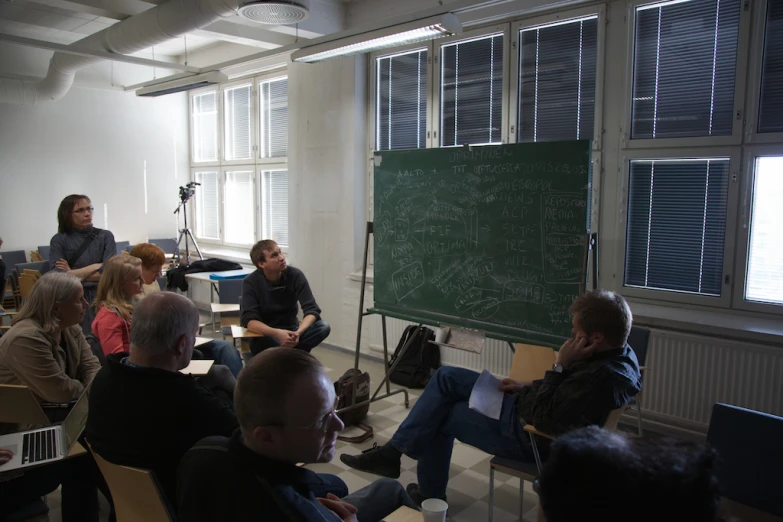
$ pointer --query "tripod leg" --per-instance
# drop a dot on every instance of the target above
(190, 235)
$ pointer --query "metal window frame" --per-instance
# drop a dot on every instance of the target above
(662, 296)
(224, 171)
(260, 169)
(755, 67)
(193, 207)
(219, 136)
(224, 87)
(740, 81)
(259, 80)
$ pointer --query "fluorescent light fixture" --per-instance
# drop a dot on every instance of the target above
(182, 84)
(412, 32)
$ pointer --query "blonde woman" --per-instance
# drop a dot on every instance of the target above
(120, 283)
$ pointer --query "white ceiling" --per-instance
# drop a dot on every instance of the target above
(67, 21)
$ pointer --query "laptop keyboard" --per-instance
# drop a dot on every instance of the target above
(38, 446)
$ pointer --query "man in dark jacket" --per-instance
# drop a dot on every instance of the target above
(285, 405)
(594, 373)
(271, 297)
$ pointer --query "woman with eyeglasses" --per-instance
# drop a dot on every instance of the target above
(81, 249)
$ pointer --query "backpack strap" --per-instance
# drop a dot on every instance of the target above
(83, 247)
(368, 433)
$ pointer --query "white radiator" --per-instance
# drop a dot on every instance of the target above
(687, 373)
(690, 373)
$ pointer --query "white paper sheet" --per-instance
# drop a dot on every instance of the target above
(486, 397)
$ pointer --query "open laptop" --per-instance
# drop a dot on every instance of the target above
(39, 446)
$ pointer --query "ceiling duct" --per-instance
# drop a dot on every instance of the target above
(279, 12)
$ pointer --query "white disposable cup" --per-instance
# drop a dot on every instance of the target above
(434, 510)
(440, 335)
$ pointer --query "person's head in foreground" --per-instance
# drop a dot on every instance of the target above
(601, 317)
(152, 260)
(285, 405)
(56, 302)
(164, 331)
(594, 474)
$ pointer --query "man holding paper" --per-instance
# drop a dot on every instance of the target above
(595, 372)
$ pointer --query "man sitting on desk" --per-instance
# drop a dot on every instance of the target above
(270, 299)
(594, 373)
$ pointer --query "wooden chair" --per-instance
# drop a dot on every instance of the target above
(135, 493)
(18, 405)
(530, 363)
(36, 257)
(244, 335)
(27, 280)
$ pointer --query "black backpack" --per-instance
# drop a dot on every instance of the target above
(420, 361)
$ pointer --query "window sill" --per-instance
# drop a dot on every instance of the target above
(237, 255)
(725, 325)
(357, 276)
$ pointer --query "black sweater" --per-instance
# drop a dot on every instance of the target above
(148, 418)
(276, 304)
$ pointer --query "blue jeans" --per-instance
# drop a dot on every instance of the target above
(441, 415)
(379, 500)
(328, 483)
(311, 338)
(223, 352)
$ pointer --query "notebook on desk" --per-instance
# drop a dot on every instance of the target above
(39, 446)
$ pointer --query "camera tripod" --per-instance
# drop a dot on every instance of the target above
(185, 195)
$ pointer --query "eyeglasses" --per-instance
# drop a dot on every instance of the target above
(322, 425)
(84, 210)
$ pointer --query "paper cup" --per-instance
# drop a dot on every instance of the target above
(440, 335)
(434, 510)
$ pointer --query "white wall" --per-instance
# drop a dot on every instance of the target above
(96, 142)
(327, 169)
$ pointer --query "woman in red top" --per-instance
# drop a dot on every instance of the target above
(120, 283)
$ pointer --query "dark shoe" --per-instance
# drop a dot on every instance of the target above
(372, 461)
(415, 494)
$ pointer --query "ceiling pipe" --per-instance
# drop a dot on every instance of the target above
(139, 32)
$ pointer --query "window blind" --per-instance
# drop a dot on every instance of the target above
(771, 103)
(676, 225)
(275, 206)
(207, 205)
(557, 81)
(274, 118)
(764, 281)
(685, 59)
(401, 101)
(471, 91)
(238, 211)
(205, 127)
(238, 122)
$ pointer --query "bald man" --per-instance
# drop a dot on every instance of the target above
(145, 413)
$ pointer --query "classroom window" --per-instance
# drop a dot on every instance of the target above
(207, 206)
(273, 104)
(471, 91)
(557, 68)
(401, 101)
(205, 127)
(238, 122)
(684, 69)
(274, 197)
(676, 225)
(238, 209)
(764, 281)
(771, 102)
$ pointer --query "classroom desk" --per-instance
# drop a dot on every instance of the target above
(405, 514)
(243, 334)
(219, 308)
(202, 340)
(213, 285)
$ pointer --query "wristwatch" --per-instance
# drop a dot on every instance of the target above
(557, 368)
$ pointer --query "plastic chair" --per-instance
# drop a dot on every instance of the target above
(750, 456)
(43, 250)
(639, 339)
(40, 266)
(14, 257)
(122, 246)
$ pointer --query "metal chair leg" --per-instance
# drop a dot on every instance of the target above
(491, 493)
(639, 414)
(521, 498)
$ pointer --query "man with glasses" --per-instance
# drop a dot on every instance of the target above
(81, 249)
(285, 405)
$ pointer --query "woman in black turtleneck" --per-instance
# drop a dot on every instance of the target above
(81, 249)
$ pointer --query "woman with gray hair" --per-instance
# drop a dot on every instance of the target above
(45, 348)
(46, 351)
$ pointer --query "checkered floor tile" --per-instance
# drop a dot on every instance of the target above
(468, 490)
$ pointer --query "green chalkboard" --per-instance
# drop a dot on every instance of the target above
(491, 238)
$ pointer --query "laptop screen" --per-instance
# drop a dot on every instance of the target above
(75, 421)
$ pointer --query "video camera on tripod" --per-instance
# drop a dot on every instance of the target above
(185, 193)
